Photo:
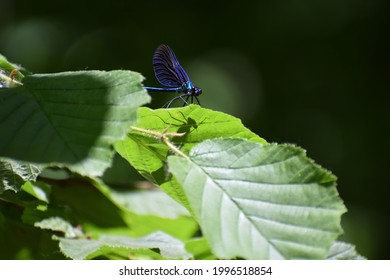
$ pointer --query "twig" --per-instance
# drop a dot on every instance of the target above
(164, 137)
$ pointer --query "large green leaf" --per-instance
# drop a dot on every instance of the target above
(69, 119)
(148, 155)
(260, 201)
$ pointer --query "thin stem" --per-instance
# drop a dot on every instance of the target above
(164, 137)
(175, 149)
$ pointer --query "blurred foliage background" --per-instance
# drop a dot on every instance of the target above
(312, 73)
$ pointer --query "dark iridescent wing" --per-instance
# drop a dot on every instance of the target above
(167, 68)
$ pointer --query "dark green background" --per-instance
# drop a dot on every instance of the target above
(313, 73)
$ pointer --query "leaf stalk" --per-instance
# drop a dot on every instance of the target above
(164, 137)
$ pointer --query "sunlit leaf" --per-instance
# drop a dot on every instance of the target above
(59, 225)
(168, 247)
(146, 202)
(260, 201)
(148, 155)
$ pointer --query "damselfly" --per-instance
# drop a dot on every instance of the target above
(170, 74)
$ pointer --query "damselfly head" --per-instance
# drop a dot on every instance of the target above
(191, 89)
(196, 91)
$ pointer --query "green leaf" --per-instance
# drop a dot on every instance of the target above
(39, 190)
(169, 247)
(149, 202)
(13, 174)
(343, 251)
(69, 119)
(60, 225)
(260, 201)
(148, 155)
(146, 211)
(200, 249)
